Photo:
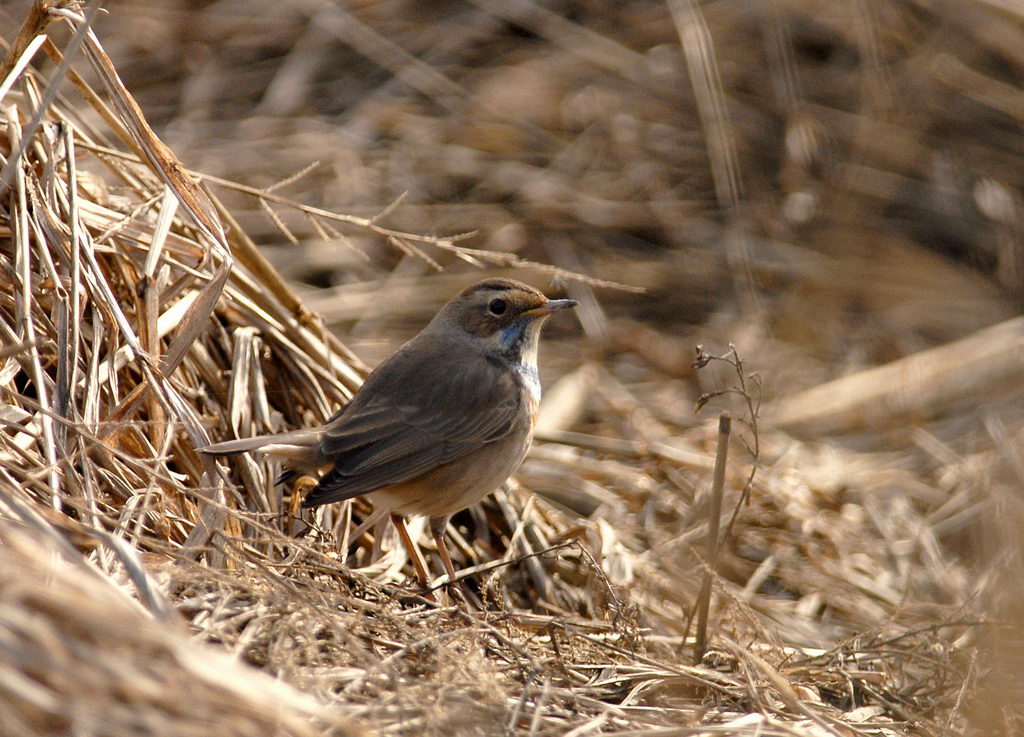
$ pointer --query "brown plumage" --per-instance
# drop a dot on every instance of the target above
(439, 424)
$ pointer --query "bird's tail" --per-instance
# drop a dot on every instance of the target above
(295, 445)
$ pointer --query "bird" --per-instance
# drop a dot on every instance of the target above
(438, 425)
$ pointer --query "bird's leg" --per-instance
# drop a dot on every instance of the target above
(437, 528)
(302, 486)
(414, 553)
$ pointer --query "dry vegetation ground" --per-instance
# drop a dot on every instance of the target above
(834, 188)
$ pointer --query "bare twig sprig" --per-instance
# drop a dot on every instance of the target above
(703, 601)
(749, 387)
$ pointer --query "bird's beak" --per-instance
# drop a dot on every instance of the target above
(552, 305)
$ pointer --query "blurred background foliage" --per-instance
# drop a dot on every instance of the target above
(844, 174)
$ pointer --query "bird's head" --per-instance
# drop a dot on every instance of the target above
(505, 313)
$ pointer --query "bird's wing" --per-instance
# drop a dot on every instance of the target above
(401, 426)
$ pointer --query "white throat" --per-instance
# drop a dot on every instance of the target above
(527, 367)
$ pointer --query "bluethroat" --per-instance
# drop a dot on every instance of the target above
(437, 426)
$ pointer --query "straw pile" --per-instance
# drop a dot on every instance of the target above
(863, 588)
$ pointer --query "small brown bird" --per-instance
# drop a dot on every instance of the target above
(437, 426)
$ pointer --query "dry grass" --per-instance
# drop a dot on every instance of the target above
(143, 587)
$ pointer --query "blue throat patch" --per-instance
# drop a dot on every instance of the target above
(510, 339)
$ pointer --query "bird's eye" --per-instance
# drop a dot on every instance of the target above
(497, 307)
